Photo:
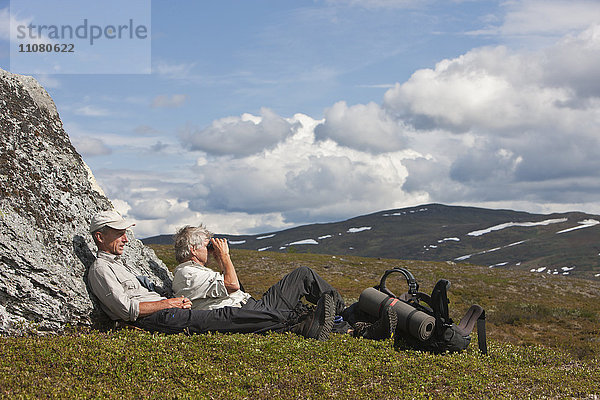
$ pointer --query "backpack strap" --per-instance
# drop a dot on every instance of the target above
(413, 286)
(475, 314)
(467, 323)
(481, 339)
(439, 302)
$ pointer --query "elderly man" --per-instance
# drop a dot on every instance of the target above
(210, 290)
(123, 297)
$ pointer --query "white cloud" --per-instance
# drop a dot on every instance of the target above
(146, 130)
(9, 22)
(537, 23)
(494, 127)
(91, 111)
(513, 124)
(238, 136)
(5, 24)
(121, 206)
(126, 146)
(361, 126)
(89, 146)
(496, 91)
(147, 199)
(545, 17)
(371, 4)
(159, 147)
(574, 63)
(304, 179)
(488, 88)
(153, 208)
(299, 180)
(47, 81)
(173, 101)
(174, 71)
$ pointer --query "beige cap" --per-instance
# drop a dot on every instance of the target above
(111, 219)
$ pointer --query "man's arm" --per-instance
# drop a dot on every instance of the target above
(150, 307)
(221, 253)
(109, 290)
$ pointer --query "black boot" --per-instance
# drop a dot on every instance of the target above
(318, 324)
(383, 328)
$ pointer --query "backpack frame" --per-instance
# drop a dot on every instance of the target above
(446, 335)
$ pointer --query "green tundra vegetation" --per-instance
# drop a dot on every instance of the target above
(543, 338)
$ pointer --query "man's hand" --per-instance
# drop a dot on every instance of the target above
(150, 307)
(178, 302)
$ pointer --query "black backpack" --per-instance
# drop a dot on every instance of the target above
(439, 336)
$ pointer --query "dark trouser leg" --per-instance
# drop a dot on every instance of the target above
(226, 319)
(303, 281)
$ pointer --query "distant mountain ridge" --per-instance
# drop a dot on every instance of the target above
(559, 243)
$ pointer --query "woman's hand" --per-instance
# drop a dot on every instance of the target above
(220, 247)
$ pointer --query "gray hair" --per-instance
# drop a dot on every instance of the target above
(187, 238)
(102, 230)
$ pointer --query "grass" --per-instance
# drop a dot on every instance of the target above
(543, 335)
(522, 308)
(132, 364)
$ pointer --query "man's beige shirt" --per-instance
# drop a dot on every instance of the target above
(118, 290)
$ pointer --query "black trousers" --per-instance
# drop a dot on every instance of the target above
(226, 319)
(273, 312)
(285, 295)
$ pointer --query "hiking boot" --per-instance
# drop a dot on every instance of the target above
(360, 328)
(318, 324)
(340, 306)
(383, 328)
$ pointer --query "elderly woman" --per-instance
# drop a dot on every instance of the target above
(209, 289)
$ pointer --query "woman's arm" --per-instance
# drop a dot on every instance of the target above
(221, 252)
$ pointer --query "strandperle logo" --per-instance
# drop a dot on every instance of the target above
(85, 30)
(81, 37)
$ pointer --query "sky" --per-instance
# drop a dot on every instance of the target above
(260, 115)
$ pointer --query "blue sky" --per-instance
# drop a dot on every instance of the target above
(261, 115)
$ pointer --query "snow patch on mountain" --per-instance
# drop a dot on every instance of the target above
(586, 223)
(498, 265)
(452, 239)
(305, 241)
(400, 213)
(555, 271)
(465, 257)
(513, 224)
(356, 230)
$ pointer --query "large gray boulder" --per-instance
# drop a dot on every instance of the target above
(47, 198)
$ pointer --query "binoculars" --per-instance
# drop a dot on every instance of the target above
(210, 246)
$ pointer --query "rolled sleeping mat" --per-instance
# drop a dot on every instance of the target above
(410, 320)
